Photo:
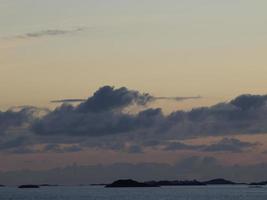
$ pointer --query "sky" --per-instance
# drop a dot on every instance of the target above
(173, 82)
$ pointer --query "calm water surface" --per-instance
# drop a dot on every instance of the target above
(162, 193)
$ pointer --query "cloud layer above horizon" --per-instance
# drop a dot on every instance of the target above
(103, 122)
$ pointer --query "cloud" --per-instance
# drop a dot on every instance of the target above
(102, 120)
(18, 118)
(177, 98)
(151, 98)
(174, 146)
(230, 144)
(21, 145)
(102, 114)
(135, 149)
(68, 101)
(108, 98)
(13, 143)
(47, 33)
(24, 148)
(250, 102)
(55, 148)
(224, 145)
(72, 122)
(243, 115)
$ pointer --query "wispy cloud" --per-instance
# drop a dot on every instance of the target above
(67, 100)
(152, 99)
(46, 33)
(225, 145)
(177, 98)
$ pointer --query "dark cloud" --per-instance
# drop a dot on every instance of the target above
(102, 119)
(248, 102)
(69, 121)
(108, 98)
(101, 114)
(13, 143)
(236, 117)
(17, 119)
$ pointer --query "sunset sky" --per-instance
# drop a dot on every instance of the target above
(126, 59)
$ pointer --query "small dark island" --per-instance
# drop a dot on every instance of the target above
(129, 183)
(48, 185)
(176, 183)
(259, 183)
(28, 186)
(219, 181)
(2, 185)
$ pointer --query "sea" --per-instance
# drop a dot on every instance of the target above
(240, 192)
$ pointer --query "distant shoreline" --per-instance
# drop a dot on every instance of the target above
(134, 183)
(218, 181)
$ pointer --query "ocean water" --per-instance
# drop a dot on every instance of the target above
(162, 193)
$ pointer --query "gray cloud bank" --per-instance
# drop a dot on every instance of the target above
(201, 168)
(101, 122)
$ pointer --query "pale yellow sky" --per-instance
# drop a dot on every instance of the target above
(167, 48)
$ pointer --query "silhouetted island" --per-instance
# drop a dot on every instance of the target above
(28, 186)
(219, 181)
(133, 183)
(259, 183)
(176, 183)
(129, 183)
(2, 185)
